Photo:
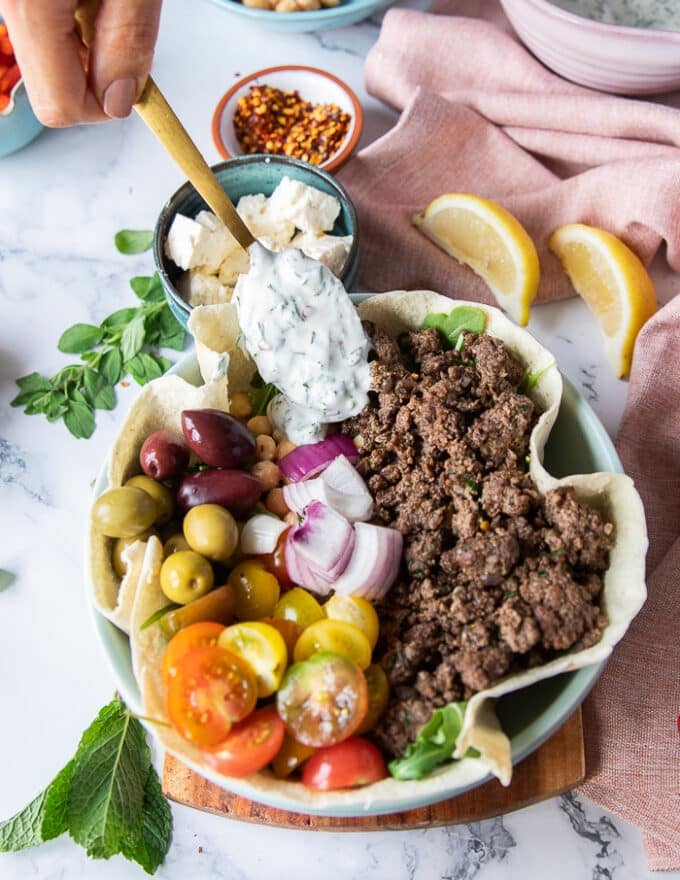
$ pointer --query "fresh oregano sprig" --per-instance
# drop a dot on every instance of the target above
(108, 797)
(125, 343)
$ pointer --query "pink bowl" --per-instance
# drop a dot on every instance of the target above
(612, 58)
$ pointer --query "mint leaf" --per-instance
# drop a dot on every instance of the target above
(79, 338)
(6, 579)
(148, 844)
(133, 337)
(170, 332)
(148, 287)
(143, 368)
(79, 419)
(434, 744)
(120, 318)
(109, 777)
(133, 241)
(99, 392)
(41, 820)
(111, 366)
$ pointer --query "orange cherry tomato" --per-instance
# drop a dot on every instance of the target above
(289, 629)
(192, 636)
(210, 690)
(347, 764)
(250, 746)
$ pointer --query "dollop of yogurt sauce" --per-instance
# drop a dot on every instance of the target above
(304, 334)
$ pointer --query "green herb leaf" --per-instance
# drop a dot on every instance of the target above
(261, 398)
(530, 380)
(170, 332)
(120, 318)
(42, 819)
(111, 366)
(133, 337)
(133, 241)
(434, 744)
(143, 368)
(80, 338)
(451, 326)
(148, 844)
(6, 579)
(79, 419)
(109, 777)
(156, 616)
(55, 819)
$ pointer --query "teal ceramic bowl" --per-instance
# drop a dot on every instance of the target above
(18, 123)
(241, 176)
(347, 12)
(578, 443)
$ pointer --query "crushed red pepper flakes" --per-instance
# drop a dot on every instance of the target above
(269, 120)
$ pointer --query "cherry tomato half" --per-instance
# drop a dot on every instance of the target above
(337, 636)
(378, 696)
(263, 649)
(209, 691)
(250, 746)
(323, 700)
(275, 562)
(290, 631)
(193, 636)
(350, 763)
(290, 756)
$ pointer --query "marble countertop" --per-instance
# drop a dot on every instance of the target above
(62, 199)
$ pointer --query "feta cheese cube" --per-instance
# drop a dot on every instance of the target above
(332, 250)
(309, 209)
(200, 288)
(237, 263)
(191, 243)
(256, 213)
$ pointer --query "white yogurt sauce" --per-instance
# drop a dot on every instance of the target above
(304, 334)
(299, 424)
(662, 14)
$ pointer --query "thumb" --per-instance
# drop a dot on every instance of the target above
(121, 52)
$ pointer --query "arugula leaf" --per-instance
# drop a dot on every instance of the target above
(261, 397)
(107, 790)
(133, 241)
(434, 744)
(79, 338)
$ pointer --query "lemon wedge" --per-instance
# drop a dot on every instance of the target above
(613, 282)
(484, 236)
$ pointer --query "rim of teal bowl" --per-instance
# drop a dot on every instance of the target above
(178, 305)
(575, 685)
(320, 17)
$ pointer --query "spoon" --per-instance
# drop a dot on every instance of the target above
(161, 119)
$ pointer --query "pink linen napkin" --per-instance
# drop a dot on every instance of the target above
(481, 115)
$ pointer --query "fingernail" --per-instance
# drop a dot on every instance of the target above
(119, 97)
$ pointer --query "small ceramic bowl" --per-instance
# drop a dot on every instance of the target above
(18, 123)
(247, 175)
(312, 84)
(612, 58)
(347, 12)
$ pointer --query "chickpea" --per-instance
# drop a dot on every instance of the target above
(241, 407)
(267, 473)
(286, 6)
(277, 434)
(308, 5)
(259, 425)
(266, 448)
(291, 518)
(258, 4)
(276, 503)
(285, 446)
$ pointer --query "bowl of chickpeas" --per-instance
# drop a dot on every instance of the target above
(304, 15)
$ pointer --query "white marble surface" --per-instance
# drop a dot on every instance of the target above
(61, 201)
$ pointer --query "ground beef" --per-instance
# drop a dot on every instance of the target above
(495, 578)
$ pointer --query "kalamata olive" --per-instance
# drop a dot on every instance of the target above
(163, 455)
(211, 531)
(124, 512)
(160, 494)
(217, 438)
(185, 576)
(235, 490)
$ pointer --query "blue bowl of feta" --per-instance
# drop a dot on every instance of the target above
(284, 202)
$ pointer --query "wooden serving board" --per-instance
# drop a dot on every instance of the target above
(557, 766)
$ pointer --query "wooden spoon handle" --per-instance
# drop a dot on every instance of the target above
(161, 119)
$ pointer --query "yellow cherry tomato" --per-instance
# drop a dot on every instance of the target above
(336, 636)
(378, 696)
(257, 591)
(357, 611)
(299, 606)
(263, 649)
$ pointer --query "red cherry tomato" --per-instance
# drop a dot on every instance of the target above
(250, 746)
(275, 563)
(210, 690)
(347, 764)
(192, 636)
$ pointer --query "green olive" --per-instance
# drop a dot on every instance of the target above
(211, 530)
(175, 542)
(124, 512)
(160, 494)
(186, 576)
(121, 545)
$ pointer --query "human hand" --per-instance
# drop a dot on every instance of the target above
(66, 84)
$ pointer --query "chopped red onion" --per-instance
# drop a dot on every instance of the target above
(340, 486)
(310, 459)
(374, 564)
(322, 544)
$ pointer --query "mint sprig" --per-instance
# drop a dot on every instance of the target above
(125, 343)
(108, 797)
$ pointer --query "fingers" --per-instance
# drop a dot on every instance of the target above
(48, 51)
(122, 52)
